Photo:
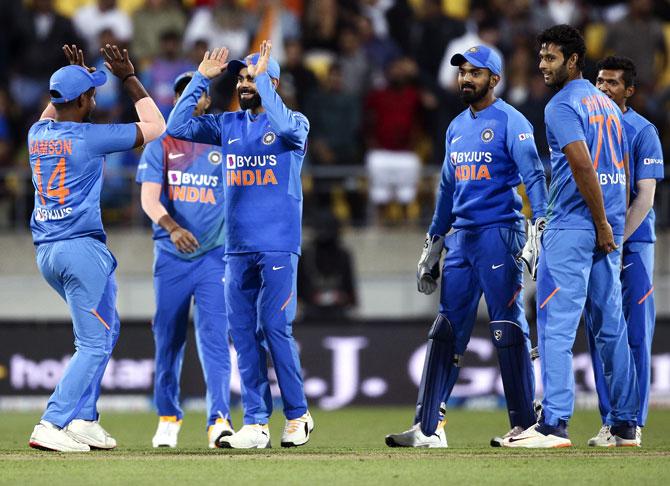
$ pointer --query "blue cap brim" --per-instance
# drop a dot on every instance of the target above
(99, 78)
(460, 59)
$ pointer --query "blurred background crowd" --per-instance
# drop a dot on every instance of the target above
(373, 77)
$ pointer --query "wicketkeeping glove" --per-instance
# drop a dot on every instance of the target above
(530, 254)
(428, 269)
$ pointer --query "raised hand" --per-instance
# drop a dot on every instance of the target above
(263, 59)
(118, 63)
(214, 63)
(75, 56)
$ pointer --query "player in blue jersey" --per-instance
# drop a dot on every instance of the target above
(264, 146)
(182, 193)
(616, 78)
(580, 259)
(66, 158)
(490, 149)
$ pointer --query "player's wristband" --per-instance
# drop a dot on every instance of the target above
(125, 78)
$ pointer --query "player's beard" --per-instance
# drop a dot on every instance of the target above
(249, 103)
(475, 95)
(558, 77)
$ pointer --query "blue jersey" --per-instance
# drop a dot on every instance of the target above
(262, 159)
(66, 159)
(581, 112)
(190, 174)
(646, 162)
(487, 155)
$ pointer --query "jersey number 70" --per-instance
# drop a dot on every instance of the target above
(61, 191)
(600, 120)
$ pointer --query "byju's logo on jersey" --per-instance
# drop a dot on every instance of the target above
(174, 177)
(487, 135)
(215, 157)
(269, 138)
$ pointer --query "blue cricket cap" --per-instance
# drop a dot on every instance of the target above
(481, 57)
(71, 81)
(182, 80)
(236, 65)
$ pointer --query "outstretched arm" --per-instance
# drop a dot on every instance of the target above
(202, 129)
(291, 125)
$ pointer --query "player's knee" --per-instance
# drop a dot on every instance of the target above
(441, 330)
(505, 334)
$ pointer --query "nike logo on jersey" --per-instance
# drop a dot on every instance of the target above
(495, 267)
(626, 266)
(232, 140)
(172, 156)
(456, 139)
(278, 268)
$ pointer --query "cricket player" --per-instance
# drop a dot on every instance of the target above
(66, 158)
(264, 146)
(580, 258)
(490, 149)
(182, 193)
(616, 78)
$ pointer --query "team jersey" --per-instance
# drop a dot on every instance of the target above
(487, 155)
(67, 159)
(190, 174)
(646, 162)
(262, 159)
(577, 112)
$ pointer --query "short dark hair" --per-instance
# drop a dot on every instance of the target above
(620, 63)
(568, 39)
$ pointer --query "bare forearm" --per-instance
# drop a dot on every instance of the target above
(134, 88)
(640, 207)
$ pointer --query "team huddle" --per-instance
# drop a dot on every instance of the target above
(209, 182)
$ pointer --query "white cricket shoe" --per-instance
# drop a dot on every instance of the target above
(415, 438)
(538, 436)
(252, 436)
(220, 428)
(47, 437)
(90, 432)
(638, 436)
(603, 438)
(498, 441)
(296, 431)
(167, 432)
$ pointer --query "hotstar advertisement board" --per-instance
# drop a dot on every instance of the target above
(344, 363)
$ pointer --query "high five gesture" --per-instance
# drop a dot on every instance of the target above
(214, 63)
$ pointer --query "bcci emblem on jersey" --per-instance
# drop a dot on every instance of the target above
(487, 135)
(215, 157)
(269, 138)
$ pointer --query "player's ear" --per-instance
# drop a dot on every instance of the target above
(572, 60)
(208, 102)
(629, 91)
(493, 81)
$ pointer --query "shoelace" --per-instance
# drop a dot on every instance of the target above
(293, 426)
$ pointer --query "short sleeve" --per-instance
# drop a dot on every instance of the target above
(151, 166)
(648, 154)
(107, 139)
(564, 123)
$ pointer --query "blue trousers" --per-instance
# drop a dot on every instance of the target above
(640, 313)
(261, 304)
(574, 277)
(81, 270)
(482, 261)
(176, 282)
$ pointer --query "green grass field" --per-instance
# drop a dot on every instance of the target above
(347, 447)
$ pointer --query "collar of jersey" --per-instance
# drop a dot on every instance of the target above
(476, 115)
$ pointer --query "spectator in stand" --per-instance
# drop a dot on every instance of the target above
(321, 25)
(93, 18)
(154, 18)
(639, 36)
(326, 284)
(297, 81)
(391, 129)
(159, 76)
(434, 31)
(380, 51)
(224, 24)
(37, 36)
(353, 62)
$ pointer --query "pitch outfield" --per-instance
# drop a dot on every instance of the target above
(346, 448)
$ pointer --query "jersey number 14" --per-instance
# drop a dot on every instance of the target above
(58, 173)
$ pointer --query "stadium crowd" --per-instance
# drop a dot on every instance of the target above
(372, 76)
